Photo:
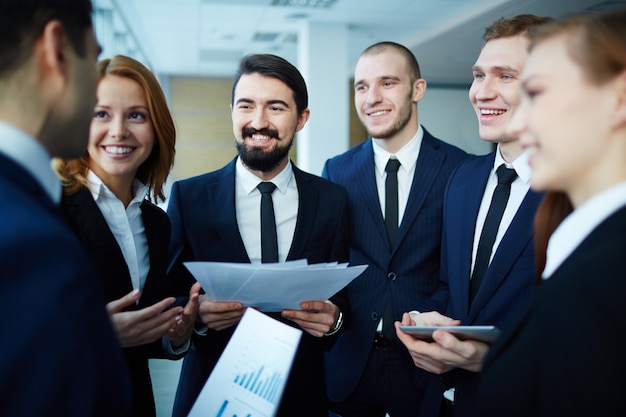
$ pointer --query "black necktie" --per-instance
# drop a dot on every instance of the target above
(391, 199)
(391, 223)
(492, 222)
(269, 241)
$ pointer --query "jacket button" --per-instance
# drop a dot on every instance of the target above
(391, 276)
(374, 316)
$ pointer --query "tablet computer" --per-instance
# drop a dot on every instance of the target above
(485, 334)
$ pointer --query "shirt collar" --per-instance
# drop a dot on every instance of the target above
(99, 190)
(249, 181)
(31, 155)
(407, 155)
(520, 165)
(574, 229)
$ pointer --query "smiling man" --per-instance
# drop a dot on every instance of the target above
(487, 265)
(369, 373)
(216, 217)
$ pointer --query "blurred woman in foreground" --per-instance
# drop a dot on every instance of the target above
(562, 356)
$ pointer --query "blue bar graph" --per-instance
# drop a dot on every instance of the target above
(222, 409)
(263, 385)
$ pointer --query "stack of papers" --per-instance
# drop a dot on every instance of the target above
(273, 287)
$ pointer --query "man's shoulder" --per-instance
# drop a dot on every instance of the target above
(471, 171)
(454, 151)
(473, 162)
(350, 153)
(303, 177)
(226, 171)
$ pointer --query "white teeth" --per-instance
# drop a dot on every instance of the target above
(378, 113)
(492, 111)
(118, 150)
(260, 137)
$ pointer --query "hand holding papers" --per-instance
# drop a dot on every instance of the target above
(272, 287)
(250, 376)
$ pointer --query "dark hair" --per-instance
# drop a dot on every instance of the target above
(22, 21)
(380, 47)
(522, 24)
(153, 171)
(274, 66)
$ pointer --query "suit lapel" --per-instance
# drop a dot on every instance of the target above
(428, 165)
(366, 184)
(465, 202)
(93, 228)
(157, 251)
(517, 237)
(220, 195)
(307, 212)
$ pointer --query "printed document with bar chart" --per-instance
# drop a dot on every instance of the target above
(250, 376)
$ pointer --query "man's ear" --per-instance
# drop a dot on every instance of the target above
(419, 88)
(303, 118)
(620, 91)
(53, 48)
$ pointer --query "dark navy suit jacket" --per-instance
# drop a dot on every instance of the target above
(564, 354)
(507, 284)
(407, 273)
(91, 227)
(204, 228)
(59, 354)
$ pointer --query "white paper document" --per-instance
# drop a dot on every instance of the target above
(250, 375)
(273, 287)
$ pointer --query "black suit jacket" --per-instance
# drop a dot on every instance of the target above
(91, 227)
(204, 228)
(60, 355)
(564, 356)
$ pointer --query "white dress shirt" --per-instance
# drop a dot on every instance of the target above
(248, 210)
(519, 189)
(129, 231)
(407, 156)
(580, 223)
(126, 224)
(30, 154)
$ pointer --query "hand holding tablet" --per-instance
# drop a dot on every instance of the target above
(485, 334)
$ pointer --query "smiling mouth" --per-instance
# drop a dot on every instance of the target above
(118, 150)
(378, 113)
(492, 112)
(259, 138)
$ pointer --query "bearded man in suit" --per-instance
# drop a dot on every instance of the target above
(215, 217)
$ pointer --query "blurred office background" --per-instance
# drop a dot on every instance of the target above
(193, 46)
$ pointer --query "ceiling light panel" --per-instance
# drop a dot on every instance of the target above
(310, 4)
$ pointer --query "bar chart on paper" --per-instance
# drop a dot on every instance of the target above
(265, 386)
(222, 410)
(250, 376)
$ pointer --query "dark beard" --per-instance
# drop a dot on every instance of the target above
(258, 159)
